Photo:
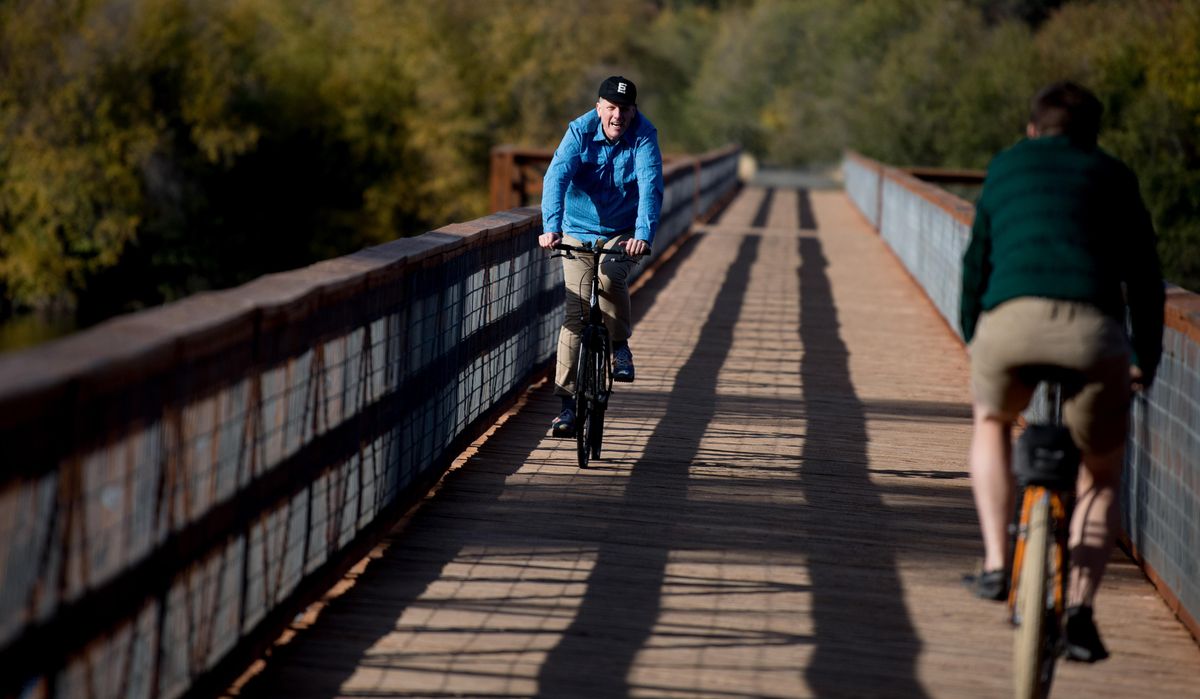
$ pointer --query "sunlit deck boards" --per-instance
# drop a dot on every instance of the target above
(782, 510)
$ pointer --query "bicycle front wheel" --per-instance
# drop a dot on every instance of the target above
(596, 431)
(600, 404)
(1031, 666)
(586, 390)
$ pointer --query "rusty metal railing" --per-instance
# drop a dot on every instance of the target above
(517, 171)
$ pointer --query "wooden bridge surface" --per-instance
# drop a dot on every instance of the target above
(782, 511)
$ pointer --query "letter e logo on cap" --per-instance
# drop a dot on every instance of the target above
(616, 89)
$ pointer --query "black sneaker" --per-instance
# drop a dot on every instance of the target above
(564, 424)
(1083, 642)
(989, 584)
(622, 364)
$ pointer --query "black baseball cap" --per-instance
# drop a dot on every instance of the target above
(619, 90)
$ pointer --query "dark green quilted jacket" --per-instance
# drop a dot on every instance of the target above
(1061, 220)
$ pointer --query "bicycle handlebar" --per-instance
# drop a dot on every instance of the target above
(590, 250)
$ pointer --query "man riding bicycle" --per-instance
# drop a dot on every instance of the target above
(604, 187)
(1061, 248)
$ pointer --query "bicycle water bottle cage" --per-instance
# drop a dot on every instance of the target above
(1046, 455)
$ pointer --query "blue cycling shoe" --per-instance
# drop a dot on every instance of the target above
(564, 424)
(622, 364)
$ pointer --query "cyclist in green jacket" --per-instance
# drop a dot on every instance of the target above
(1061, 249)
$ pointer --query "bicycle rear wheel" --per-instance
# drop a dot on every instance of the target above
(1033, 662)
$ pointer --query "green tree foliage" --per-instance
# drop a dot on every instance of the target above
(948, 82)
(1143, 59)
(153, 148)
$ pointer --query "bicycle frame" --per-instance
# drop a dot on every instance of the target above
(593, 320)
(594, 378)
(595, 337)
(1059, 522)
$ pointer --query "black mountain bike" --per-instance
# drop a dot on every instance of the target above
(593, 374)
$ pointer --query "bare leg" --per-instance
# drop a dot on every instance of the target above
(992, 485)
(1094, 524)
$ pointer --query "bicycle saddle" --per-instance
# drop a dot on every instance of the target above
(1071, 380)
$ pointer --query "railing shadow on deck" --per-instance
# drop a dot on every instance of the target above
(661, 476)
(847, 609)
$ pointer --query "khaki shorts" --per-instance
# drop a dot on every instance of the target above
(1037, 331)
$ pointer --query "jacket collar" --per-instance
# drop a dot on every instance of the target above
(627, 137)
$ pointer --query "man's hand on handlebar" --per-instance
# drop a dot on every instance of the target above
(631, 247)
(634, 247)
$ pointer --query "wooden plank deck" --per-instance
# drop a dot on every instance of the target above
(782, 511)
